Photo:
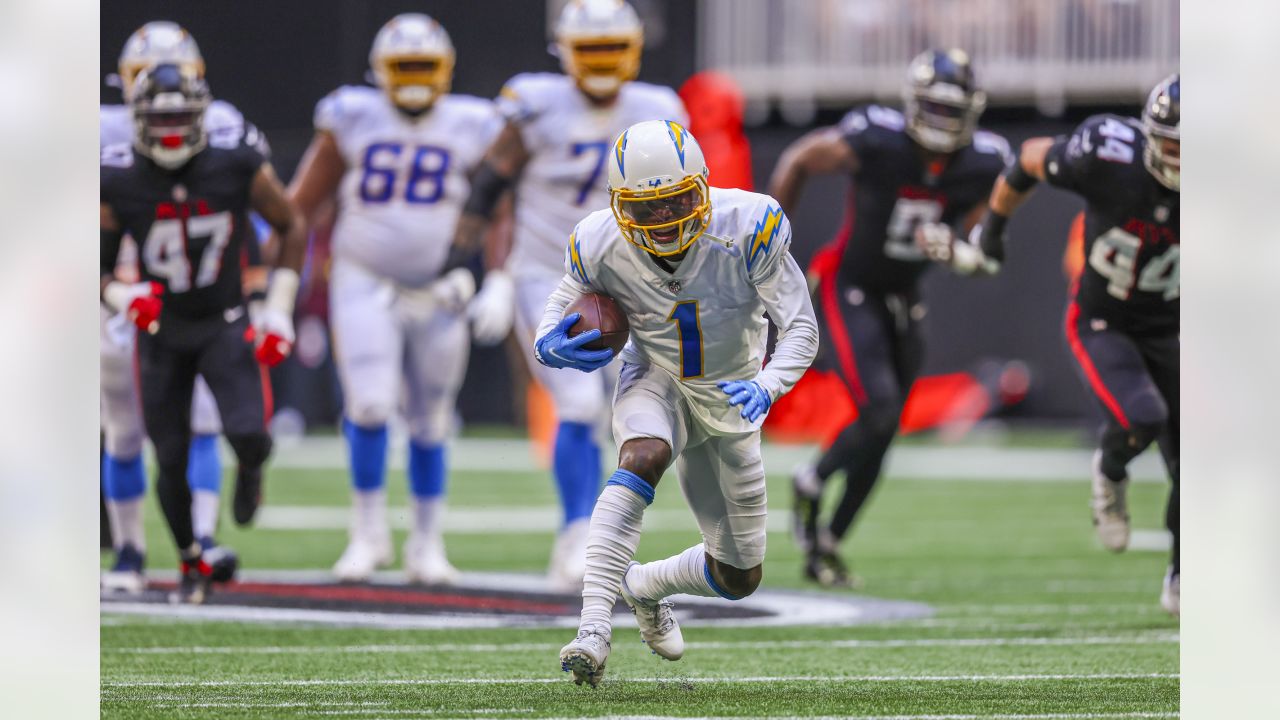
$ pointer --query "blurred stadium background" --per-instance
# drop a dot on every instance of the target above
(1027, 617)
(1045, 64)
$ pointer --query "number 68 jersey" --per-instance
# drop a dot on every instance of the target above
(406, 178)
(703, 323)
(1131, 273)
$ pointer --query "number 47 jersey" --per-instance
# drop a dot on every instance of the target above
(406, 178)
(191, 224)
(1131, 277)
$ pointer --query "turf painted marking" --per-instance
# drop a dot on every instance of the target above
(931, 462)
(707, 679)
(1149, 639)
(1051, 716)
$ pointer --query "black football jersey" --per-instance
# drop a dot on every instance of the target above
(895, 189)
(1130, 277)
(191, 225)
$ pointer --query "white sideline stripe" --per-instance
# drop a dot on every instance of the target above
(1154, 639)
(708, 679)
(1002, 716)
(908, 461)
(499, 520)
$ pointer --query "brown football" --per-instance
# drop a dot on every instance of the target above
(600, 312)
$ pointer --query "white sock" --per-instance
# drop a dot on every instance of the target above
(426, 517)
(369, 515)
(611, 543)
(684, 573)
(204, 513)
(126, 523)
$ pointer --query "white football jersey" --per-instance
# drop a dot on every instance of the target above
(705, 322)
(568, 140)
(222, 121)
(406, 178)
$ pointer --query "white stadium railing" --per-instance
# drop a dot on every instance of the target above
(1043, 52)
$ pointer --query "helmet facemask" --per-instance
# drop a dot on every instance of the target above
(1163, 154)
(601, 64)
(414, 81)
(942, 117)
(664, 221)
(168, 122)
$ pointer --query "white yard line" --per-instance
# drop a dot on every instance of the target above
(907, 461)
(1147, 639)
(691, 679)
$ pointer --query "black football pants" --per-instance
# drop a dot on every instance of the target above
(168, 363)
(877, 347)
(1135, 379)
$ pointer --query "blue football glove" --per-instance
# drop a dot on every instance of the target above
(557, 350)
(755, 400)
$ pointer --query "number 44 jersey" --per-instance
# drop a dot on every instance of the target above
(406, 178)
(1130, 277)
(191, 224)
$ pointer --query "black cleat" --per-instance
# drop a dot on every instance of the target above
(198, 574)
(829, 571)
(248, 494)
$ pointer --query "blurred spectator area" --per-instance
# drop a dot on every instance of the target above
(1048, 53)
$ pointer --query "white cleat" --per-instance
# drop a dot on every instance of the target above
(657, 620)
(1110, 511)
(426, 564)
(124, 582)
(569, 557)
(586, 655)
(1171, 595)
(361, 558)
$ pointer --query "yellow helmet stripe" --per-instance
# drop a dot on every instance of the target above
(618, 149)
(677, 133)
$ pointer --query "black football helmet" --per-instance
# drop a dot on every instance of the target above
(1161, 117)
(942, 100)
(168, 103)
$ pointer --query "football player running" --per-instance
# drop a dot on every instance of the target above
(184, 195)
(925, 170)
(552, 152)
(397, 159)
(123, 476)
(1122, 322)
(695, 270)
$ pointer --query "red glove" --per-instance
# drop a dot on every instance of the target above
(271, 335)
(144, 310)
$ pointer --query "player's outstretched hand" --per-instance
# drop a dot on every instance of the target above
(557, 350)
(753, 398)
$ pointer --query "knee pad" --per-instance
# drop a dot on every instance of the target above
(123, 442)
(433, 425)
(368, 414)
(252, 449)
(1141, 435)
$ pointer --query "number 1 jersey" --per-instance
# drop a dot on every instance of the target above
(406, 178)
(1131, 272)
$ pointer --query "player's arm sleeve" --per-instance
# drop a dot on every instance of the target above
(784, 291)
(1070, 160)
(576, 282)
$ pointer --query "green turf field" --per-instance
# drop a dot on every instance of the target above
(1032, 620)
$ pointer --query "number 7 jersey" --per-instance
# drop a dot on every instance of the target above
(1132, 249)
(406, 178)
(705, 322)
(568, 140)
